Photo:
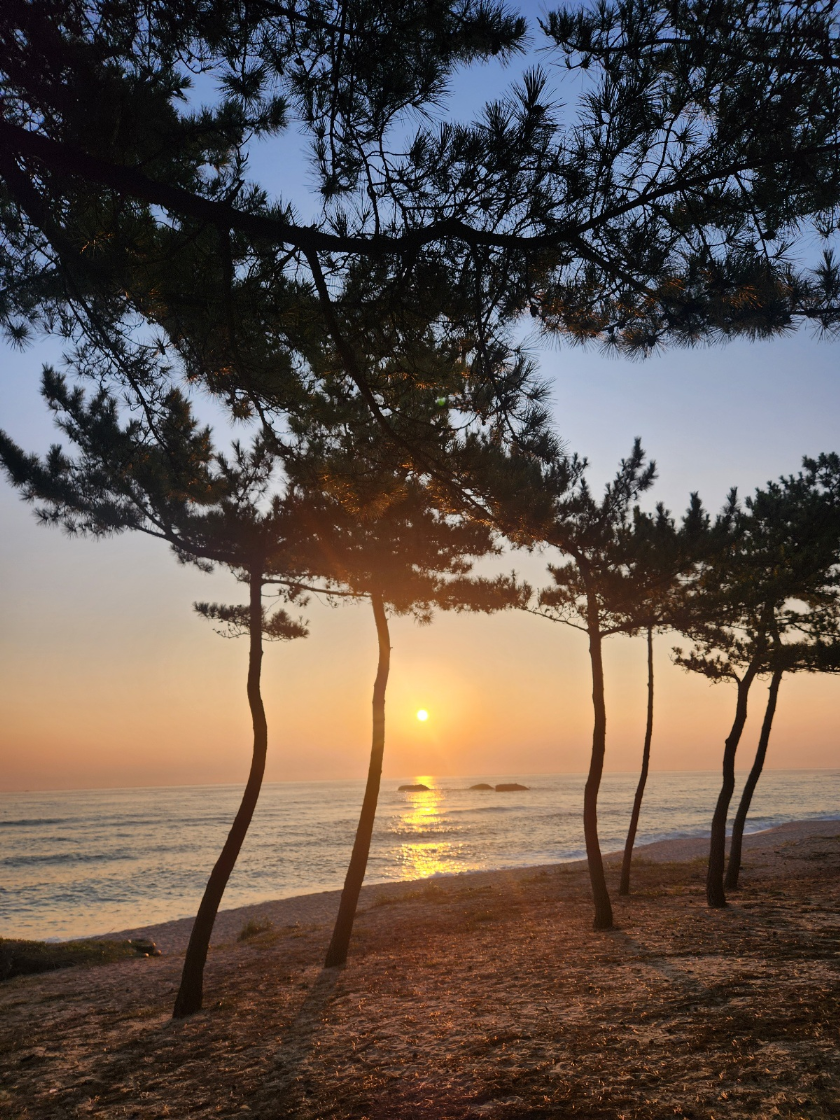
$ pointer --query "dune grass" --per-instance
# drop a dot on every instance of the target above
(23, 958)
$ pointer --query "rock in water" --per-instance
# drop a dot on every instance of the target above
(482, 785)
(507, 787)
(419, 788)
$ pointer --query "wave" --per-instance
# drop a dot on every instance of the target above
(34, 822)
(541, 816)
(67, 857)
(488, 809)
(409, 834)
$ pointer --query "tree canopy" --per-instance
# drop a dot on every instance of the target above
(668, 202)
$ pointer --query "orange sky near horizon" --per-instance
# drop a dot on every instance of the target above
(109, 680)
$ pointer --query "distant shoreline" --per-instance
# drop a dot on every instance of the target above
(319, 907)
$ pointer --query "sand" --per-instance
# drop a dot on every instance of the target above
(485, 994)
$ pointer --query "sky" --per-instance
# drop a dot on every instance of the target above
(108, 678)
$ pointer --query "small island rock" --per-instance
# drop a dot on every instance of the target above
(507, 787)
(419, 788)
(482, 785)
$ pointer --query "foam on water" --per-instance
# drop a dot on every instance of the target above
(80, 862)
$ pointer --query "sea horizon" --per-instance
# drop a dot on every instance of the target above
(496, 776)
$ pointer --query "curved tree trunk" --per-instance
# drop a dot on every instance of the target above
(733, 868)
(715, 895)
(340, 943)
(190, 993)
(600, 895)
(624, 886)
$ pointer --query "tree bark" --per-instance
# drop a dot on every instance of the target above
(190, 994)
(715, 895)
(340, 943)
(600, 895)
(733, 868)
(624, 886)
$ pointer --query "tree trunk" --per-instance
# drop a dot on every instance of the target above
(340, 943)
(733, 868)
(190, 993)
(624, 887)
(715, 895)
(600, 895)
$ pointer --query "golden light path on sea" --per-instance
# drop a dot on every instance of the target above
(422, 858)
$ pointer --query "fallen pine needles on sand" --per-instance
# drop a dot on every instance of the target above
(485, 994)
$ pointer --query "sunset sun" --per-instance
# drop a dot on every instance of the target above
(422, 715)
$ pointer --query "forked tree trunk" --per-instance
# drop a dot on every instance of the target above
(340, 943)
(733, 868)
(190, 994)
(715, 895)
(624, 886)
(600, 895)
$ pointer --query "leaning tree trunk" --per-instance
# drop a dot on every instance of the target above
(600, 895)
(733, 868)
(191, 992)
(624, 886)
(340, 943)
(715, 895)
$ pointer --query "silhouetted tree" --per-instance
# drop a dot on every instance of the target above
(586, 531)
(160, 475)
(783, 549)
(622, 563)
(790, 657)
(376, 532)
(638, 164)
(814, 623)
(655, 210)
(247, 317)
(665, 555)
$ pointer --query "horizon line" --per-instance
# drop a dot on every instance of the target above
(402, 778)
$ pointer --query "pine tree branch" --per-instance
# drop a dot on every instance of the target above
(64, 159)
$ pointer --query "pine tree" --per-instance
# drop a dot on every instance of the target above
(811, 626)
(244, 316)
(374, 531)
(641, 785)
(737, 611)
(790, 657)
(159, 474)
(664, 556)
(655, 210)
(622, 564)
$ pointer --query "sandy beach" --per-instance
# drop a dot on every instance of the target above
(483, 994)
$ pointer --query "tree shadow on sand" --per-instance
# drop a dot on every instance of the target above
(289, 1089)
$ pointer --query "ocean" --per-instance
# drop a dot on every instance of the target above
(82, 862)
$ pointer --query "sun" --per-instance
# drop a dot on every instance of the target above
(422, 715)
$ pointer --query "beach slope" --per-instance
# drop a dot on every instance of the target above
(485, 994)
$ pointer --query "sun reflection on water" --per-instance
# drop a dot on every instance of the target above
(429, 855)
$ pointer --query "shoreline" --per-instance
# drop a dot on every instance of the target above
(87, 866)
(320, 907)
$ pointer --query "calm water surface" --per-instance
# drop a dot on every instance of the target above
(81, 862)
